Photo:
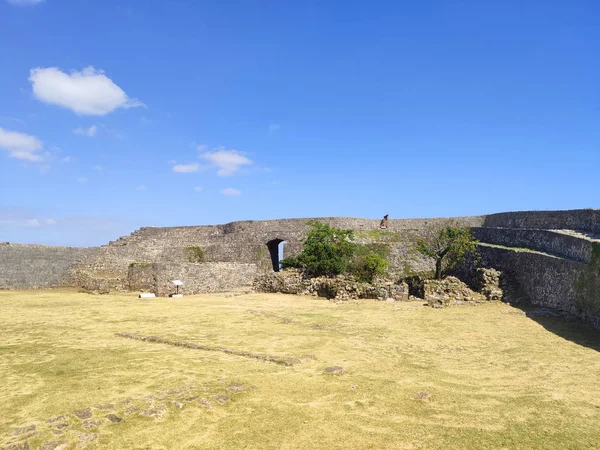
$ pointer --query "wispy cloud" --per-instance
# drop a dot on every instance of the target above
(88, 92)
(24, 2)
(12, 120)
(98, 168)
(227, 162)
(231, 192)
(20, 145)
(186, 168)
(198, 188)
(16, 221)
(68, 159)
(273, 128)
(141, 187)
(89, 132)
(82, 180)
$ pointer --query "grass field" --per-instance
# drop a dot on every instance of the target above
(467, 377)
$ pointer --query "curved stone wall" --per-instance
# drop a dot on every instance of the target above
(586, 220)
(559, 244)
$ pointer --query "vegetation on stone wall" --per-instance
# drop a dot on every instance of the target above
(379, 235)
(329, 251)
(369, 262)
(326, 251)
(587, 286)
(447, 244)
(141, 265)
(195, 254)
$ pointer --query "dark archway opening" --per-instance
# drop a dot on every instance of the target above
(276, 251)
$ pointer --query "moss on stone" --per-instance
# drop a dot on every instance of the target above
(379, 235)
(141, 265)
(195, 254)
(587, 286)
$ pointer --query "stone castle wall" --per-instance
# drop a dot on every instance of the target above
(244, 242)
(558, 244)
(545, 276)
(37, 266)
(585, 220)
(198, 278)
(530, 277)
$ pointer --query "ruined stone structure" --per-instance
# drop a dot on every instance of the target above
(547, 257)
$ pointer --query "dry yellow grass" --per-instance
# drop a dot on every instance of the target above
(483, 377)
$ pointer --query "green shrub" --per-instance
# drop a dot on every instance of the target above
(195, 254)
(331, 251)
(366, 265)
(327, 251)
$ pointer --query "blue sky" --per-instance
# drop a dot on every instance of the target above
(121, 114)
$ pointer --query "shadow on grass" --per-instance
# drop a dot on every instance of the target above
(566, 326)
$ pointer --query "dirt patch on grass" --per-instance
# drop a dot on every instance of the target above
(286, 361)
(60, 432)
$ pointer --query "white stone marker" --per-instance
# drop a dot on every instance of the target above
(148, 295)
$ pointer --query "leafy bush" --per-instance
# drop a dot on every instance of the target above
(369, 262)
(327, 251)
(331, 251)
(195, 254)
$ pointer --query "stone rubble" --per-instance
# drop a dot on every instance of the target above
(337, 288)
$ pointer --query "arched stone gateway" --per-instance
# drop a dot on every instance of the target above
(275, 247)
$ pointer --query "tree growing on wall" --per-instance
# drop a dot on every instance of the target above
(447, 244)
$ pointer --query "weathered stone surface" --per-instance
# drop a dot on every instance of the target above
(338, 288)
(487, 282)
(54, 445)
(334, 370)
(197, 277)
(113, 418)
(83, 413)
(442, 293)
(23, 430)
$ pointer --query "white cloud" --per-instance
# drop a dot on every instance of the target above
(202, 148)
(20, 145)
(98, 168)
(24, 2)
(186, 168)
(227, 161)
(141, 187)
(32, 223)
(88, 92)
(198, 188)
(18, 221)
(67, 159)
(89, 132)
(274, 127)
(82, 180)
(231, 192)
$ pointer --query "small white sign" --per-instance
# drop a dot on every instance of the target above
(177, 282)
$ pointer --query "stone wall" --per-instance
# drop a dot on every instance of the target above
(558, 244)
(246, 242)
(585, 220)
(198, 278)
(334, 288)
(37, 266)
(530, 277)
